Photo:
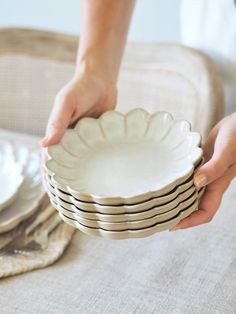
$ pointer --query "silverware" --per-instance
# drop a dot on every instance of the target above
(39, 241)
(23, 238)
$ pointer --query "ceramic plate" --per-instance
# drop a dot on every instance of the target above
(11, 177)
(137, 152)
(30, 195)
(122, 209)
(139, 233)
(114, 217)
(131, 225)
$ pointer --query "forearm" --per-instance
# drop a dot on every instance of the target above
(105, 26)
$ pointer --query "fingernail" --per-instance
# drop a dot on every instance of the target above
(200, 180)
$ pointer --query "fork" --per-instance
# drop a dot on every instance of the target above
(39, 241)
(23, 238)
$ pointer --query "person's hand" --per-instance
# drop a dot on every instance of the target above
(216, 173)
(84, 96)
(87, 95)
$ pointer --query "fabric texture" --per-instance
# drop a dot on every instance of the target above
(21, 263)
(190, 271)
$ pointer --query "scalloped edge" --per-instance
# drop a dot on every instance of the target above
(12, 222)
(18, 180)
(129, 225)
(141, 233)
(127, 199)
(94, 208)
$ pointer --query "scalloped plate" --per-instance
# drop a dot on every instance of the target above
(115, 217)
(29, 197)
(95, 208)
(125, 225)
(11, 177)
(138, 233)
(124, 158)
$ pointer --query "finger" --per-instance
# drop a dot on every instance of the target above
(208, 147)
(221, 160)
(203, 214)
(59, 120)
(209, 203)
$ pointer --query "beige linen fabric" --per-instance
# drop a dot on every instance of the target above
(182, 272)
(17, 264)
(192, 271)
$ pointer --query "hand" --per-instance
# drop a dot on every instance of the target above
(92, 91)
(84, 96)
(216, 173)
(87, 95)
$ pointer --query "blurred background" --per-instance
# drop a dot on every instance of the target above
(153, 20)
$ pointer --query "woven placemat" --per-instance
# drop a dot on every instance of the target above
(18, 263)
(58, 240)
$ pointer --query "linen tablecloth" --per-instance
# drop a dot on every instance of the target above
(191, 271)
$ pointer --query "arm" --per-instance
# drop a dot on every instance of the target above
(104, 30)
(92, 90)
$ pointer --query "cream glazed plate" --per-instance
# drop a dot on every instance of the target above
(148, 213)
(124, 159)
(11, 177)
(29, 197)
(131, 225)
(95, 208)
(137, 233)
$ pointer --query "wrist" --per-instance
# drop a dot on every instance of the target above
(95, 77)
(98, 64)
(88, 68)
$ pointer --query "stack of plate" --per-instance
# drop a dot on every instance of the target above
(125, 176)
(21, 188)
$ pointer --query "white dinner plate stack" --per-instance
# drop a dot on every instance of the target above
(21, 189)
(125, 176)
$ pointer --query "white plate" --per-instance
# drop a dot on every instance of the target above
(30, 195)
(131, 225)
(140, 233)
(121, 208)
(96, 211)
(11, 177)
(136, 152)
(127, 217)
